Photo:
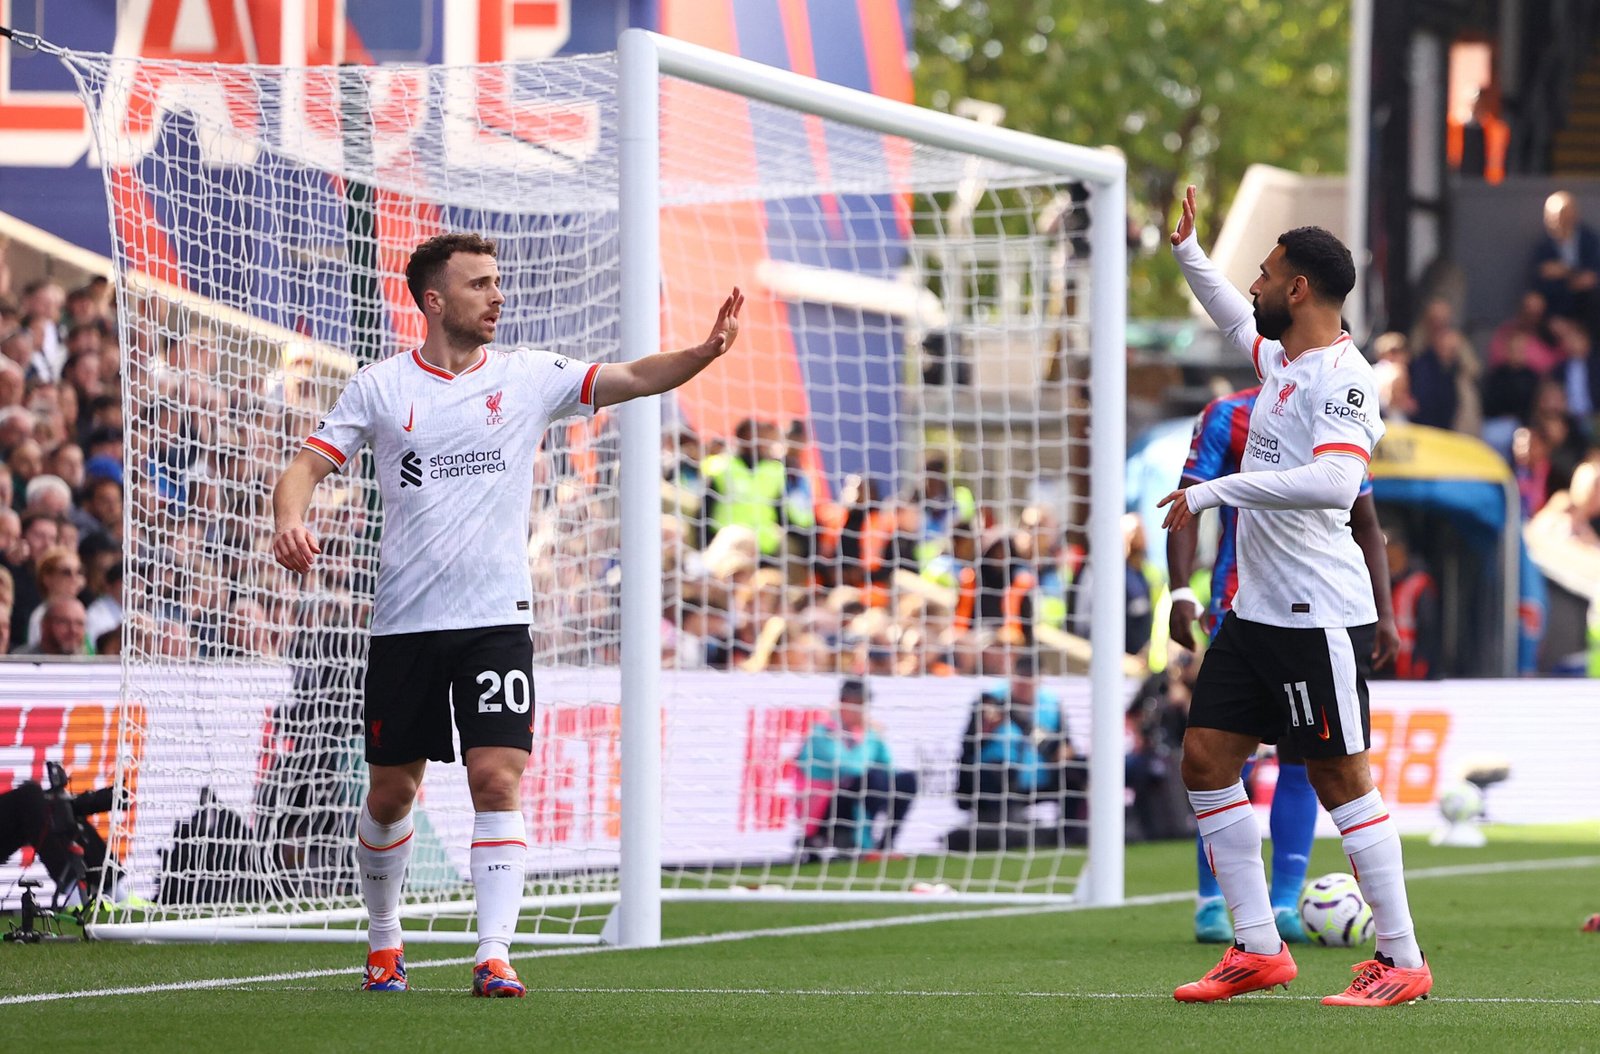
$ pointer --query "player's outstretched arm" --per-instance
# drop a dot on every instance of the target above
(1227, 307)
(293, 544)
(1369, 535)
(1330, 482)
(666, 370)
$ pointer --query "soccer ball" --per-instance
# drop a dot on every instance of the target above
(1334, 912)
(1461, 802)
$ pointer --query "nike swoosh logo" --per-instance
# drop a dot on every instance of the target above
(411, 418)
(1324, 733)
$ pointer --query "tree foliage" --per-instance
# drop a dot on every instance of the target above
(1189, 90)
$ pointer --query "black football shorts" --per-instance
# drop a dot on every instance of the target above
(413, 679)
(1308, 686)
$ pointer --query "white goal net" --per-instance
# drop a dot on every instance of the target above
(887, 481)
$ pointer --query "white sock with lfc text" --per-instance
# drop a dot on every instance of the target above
(1233, 845)
(1373, 845)
(382, 852)
(499, 861)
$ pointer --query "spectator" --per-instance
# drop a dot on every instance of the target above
(1444, 372)
(1530, 463)
(1529, 323)
(998, 778)
(940, 506)
(1138, 608)
(1417, 612)
(105, 613)
(865, 539)
(1155, 724)
(105, 412)
(1509, 388)
(848, 780)
(25, 461)
(82, 308)
(1562, 433)
(1477, 145)
(1392, 373)
(1566, 263)
(247, 633)
(42, 301)
(60, 576)
(66, 462)
(47, 494)
(745, 488)
(18, 348)
(16, 425)
(1038, 713)
(1578, 373)
(61, 630)
(40, 534)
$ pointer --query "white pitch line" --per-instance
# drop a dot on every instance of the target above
(915, 993)
(1453, 871)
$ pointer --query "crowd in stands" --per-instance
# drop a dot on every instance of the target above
(61, 438)
(766, 569)
(1533, 393)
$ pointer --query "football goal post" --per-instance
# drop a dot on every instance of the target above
(927, 399)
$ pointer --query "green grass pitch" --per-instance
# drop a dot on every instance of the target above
(1500, 926)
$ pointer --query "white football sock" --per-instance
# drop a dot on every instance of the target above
(1373, 845)
(499, 860)
(1233, 844)
(382, 851)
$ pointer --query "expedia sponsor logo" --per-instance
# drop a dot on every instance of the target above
(472, 463)
(410, 470)
(1354, 413)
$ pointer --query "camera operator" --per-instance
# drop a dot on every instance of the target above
(55, 823)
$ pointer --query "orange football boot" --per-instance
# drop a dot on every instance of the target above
(1240, 972)
(1379, 982)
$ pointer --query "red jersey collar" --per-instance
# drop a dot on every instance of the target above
(428, 367)
(1343, 337)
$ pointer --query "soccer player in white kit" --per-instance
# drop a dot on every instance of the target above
(454, 427)
(1297, 641)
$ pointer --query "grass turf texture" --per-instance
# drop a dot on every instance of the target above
(1091, 980)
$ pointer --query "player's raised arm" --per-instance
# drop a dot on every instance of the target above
(1227, 307)
(666, 370)
(293, 544)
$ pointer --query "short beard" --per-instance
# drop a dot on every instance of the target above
(1272, 324)
(463, 336)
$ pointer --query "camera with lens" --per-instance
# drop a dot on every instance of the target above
(55, 823)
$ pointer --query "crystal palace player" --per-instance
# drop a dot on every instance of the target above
(454, 428)
(1292, 653)
(1218, 450)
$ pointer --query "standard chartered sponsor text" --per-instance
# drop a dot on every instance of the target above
(472, 463)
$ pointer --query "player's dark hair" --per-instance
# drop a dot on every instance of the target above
(422, 270)
(1323, 259)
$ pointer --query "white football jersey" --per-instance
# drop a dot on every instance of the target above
(1302, 568)
(455, 456)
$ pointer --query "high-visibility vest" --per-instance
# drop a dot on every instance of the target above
(1016, 593)
(748, 496)
(966, 599)
(1408, 666)
(963, 509)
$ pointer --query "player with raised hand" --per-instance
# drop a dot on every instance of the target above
(1291, 657)
(455, 428)
(1216, 450)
